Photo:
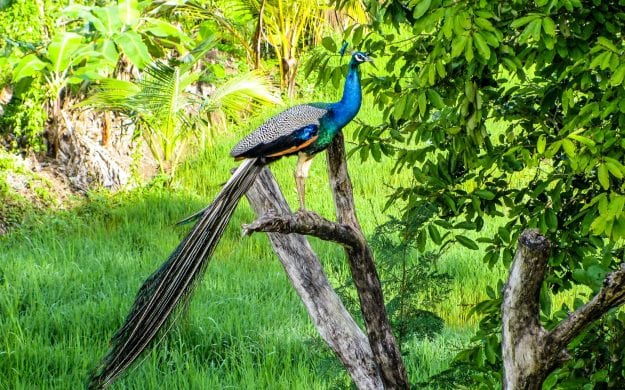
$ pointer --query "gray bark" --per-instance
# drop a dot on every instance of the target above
(364, 273)
(529, 351)
(334, 323)
(347, 232)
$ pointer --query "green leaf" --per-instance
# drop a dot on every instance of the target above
(457, 45)
(551, 219)
(535, 28)
(549, 26)
(618, 76)
(468, 50)
(328, 44)
(132, 45)
(523, 20)
(593, 277)
(435, 99)
(421, 8)
(484, 194)
(485, 24)
(422, 104)
(108, 50)
(541, 144)
(108, 22)
(598, 60)
(421, 240)
(615, 167)
(504, 234)
(605, 42)
(434, 234)
(28, 66)
(602, 175)
(61, 50)
(467, 242)
(163, 29)
(569, 148)
(129, 12)
(376, 152)
(583, 140)
(482, 47)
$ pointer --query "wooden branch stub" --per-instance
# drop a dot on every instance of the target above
(307, 223)
(523, 334)
(529, 352)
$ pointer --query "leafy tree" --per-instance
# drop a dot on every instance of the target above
(166, 113)
(510, 113)
(289, 27)
(92, 51)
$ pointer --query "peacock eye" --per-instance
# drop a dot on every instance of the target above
(359, 57)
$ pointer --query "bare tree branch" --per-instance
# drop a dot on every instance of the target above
(332, 320)
(611, 295)
(365, 275)
(307, 223)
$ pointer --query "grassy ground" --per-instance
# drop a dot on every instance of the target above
(67, 279)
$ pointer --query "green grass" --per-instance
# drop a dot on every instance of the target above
(68, 278)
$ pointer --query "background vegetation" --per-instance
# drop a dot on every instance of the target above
(480, 120)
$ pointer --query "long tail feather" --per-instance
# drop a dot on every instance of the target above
(174, 280)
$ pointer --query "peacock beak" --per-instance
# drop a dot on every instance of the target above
(370, 60)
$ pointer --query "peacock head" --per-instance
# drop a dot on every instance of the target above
(359, 57)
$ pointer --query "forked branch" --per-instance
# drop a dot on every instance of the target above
(347, 232)
(529, 351)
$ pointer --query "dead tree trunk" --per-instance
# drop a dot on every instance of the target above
(334, 323)
(529, 351)
(374, 361)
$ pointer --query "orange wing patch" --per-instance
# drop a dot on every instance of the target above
(294, 148)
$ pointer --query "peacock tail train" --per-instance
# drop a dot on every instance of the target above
(163, 291)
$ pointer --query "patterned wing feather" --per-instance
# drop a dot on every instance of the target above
(289, 129)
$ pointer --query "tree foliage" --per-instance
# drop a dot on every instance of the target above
(510, 112)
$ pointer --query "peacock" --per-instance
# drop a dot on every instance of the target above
(305, 130)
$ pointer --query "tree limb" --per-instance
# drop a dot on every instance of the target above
(364, 273)
(307, 223)
(611, 295)
(334, 323)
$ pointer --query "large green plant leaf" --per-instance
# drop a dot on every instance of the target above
(135, 49)
(129, 12)
(108, 20)
(61, 50)
(28, 66)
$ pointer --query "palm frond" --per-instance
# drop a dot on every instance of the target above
(243, 94)
(111, 95)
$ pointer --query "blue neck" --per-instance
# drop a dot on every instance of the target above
(346, 109)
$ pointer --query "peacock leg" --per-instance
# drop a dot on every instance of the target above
(301, 173)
